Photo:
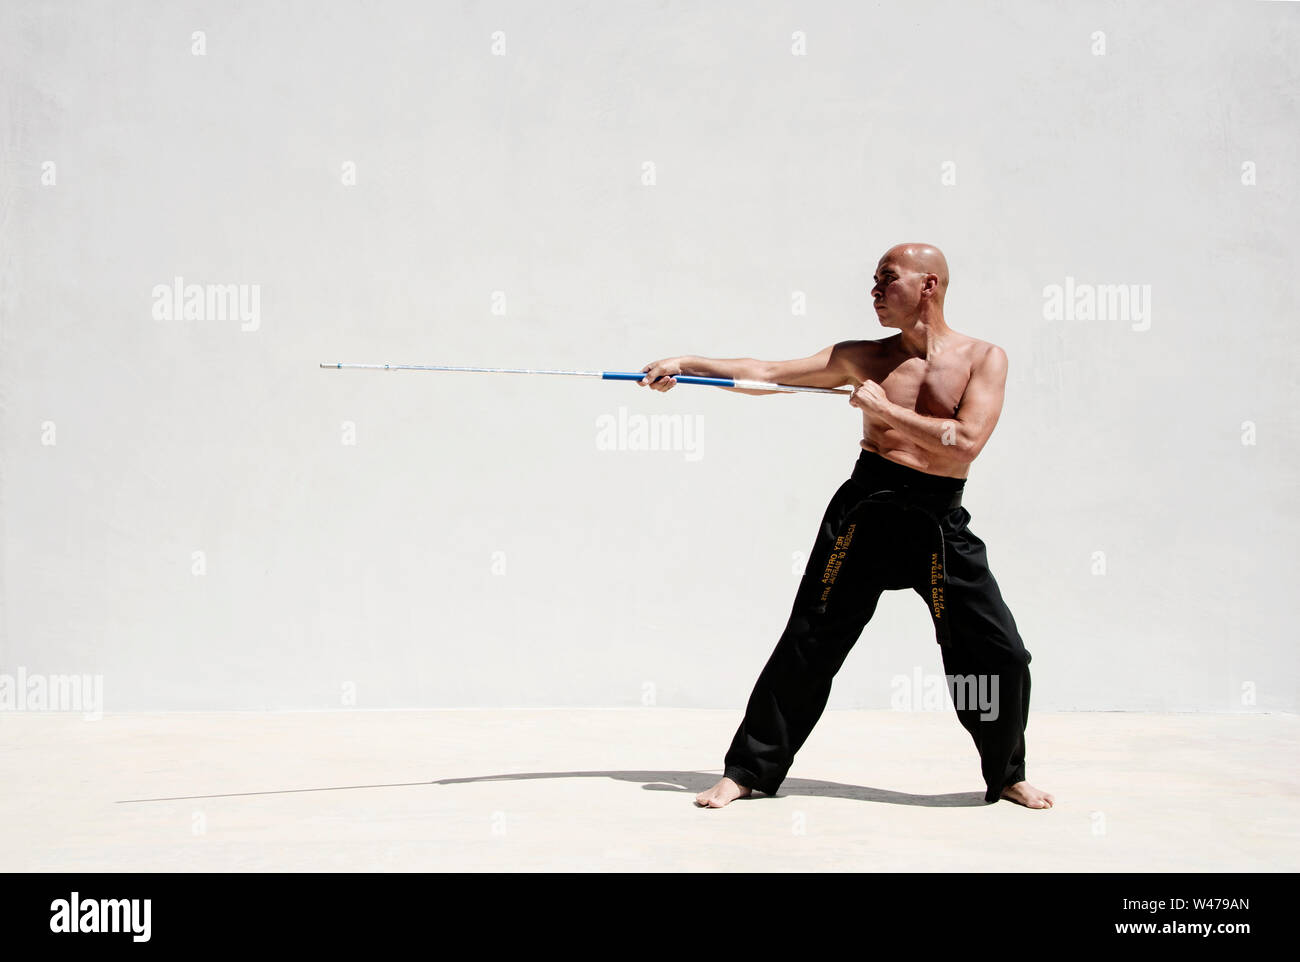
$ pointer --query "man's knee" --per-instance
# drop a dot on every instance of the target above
(987, 646)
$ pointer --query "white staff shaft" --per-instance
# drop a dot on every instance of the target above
(747, 385)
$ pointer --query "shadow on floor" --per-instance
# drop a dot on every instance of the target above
(687, 783)
(695, 782)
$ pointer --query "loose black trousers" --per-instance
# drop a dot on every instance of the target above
(890, 527)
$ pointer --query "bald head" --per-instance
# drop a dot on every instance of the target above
(911, 282)
(923, 258)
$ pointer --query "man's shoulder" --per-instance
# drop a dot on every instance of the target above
(864, 348)
(982, 351)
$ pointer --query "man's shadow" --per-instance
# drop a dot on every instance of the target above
(693, 783)
(686, 783)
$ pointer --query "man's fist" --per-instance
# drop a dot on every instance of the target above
(869, 396)
(659, 375)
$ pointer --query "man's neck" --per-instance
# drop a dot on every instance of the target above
(920, 338)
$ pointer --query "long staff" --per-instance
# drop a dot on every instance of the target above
(603, 375)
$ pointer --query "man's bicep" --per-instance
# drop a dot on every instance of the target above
(827, 368)
(981, 404)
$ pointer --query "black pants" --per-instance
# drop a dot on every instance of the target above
(890, 527)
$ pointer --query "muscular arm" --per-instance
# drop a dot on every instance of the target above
(827, 368)
(737, 368)
(964, 435)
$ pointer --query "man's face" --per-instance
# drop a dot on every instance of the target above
(897, 293)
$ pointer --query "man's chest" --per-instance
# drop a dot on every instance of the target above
(929, 386)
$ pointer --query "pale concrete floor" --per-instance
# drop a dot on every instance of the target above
(593, 790)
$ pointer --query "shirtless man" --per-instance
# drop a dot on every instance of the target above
(930, 397)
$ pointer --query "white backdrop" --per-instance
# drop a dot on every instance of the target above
(196, 512)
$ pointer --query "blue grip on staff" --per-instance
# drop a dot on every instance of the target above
(680, 378)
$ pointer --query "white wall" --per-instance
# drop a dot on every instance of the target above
(372, 564)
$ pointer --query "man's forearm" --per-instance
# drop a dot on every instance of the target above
(745, 368)
(941, 436)
(736, 368)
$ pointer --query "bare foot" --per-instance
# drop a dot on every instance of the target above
(1022, 793)
(722, 793)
